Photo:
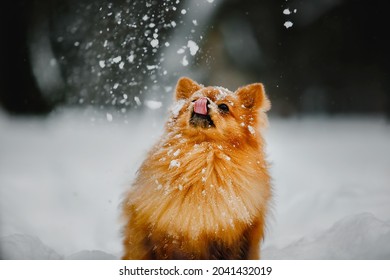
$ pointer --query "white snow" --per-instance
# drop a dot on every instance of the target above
(152, 104)
(222, 93)
(193, 47)
(286, 11)
(288, 24)
(151, 67)
(174, 163)
(117, 59)
(183, 11)
(226, 157)
(62, 179)
(176, 107)
(154, 43)
(118, 18)
(184, 61)
(91, 255)
(102, 63)
(109, 117)
(130, 58)
(26, 247)
(251, 129)
(360, 236)
(175, 154)
(137, 100)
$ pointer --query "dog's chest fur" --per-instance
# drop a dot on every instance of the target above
(191, 190)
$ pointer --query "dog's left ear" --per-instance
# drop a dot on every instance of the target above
(253, 97)
(185, 88)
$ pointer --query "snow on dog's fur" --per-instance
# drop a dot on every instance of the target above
(203, 190)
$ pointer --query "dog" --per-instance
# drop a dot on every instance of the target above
(203, 191)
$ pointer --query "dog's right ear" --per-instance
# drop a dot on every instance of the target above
(185, 88)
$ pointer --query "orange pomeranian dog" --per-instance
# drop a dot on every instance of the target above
(204, 189)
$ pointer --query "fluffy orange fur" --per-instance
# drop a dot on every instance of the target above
(203, 190)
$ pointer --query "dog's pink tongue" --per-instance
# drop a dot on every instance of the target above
(200, 106)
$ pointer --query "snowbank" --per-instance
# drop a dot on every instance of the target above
(25, 247)
(360, 236)
(356, 237)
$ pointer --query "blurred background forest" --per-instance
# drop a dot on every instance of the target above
(334, 59)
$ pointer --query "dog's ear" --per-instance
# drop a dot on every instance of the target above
(185, 88)
(253, 97)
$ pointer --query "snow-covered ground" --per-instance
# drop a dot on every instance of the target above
(62, 177)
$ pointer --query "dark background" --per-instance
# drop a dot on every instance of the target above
(333, 60)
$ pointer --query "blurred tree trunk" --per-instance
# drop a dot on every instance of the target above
(19, 92)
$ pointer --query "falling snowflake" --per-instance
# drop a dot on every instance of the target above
(102, 63)
(154, 43)
(137, 100)
(288, 24)
(152, 104)
(117, 59)
(193, 47)
(184, 61)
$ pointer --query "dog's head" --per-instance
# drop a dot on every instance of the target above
(215, 113)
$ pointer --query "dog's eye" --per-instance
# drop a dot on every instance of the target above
(223, 107)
